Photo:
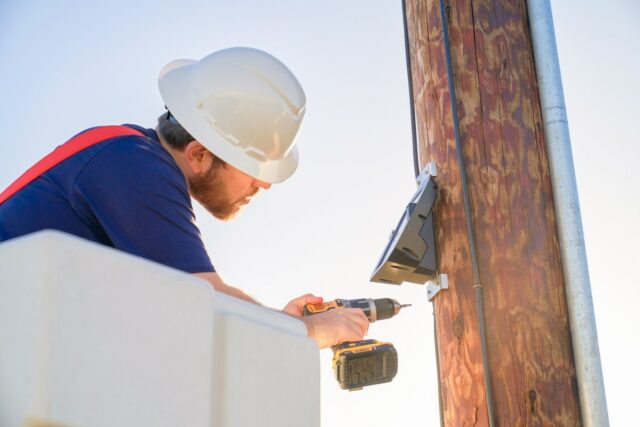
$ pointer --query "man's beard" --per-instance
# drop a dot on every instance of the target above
(210, 191)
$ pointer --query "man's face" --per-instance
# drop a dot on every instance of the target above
(223, 190)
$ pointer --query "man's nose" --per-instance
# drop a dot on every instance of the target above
(261, 184)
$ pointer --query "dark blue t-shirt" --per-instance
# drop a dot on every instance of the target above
(126, 192)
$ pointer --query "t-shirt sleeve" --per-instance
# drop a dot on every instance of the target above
(138, 198)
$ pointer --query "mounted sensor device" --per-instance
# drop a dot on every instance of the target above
(410, 255)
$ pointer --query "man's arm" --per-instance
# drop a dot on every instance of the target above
(327, 329)
(220, 286)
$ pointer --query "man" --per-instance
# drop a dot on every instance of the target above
(229, 132)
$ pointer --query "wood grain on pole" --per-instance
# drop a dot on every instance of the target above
(528, 337)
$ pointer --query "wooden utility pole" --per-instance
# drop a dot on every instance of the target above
(531, 367)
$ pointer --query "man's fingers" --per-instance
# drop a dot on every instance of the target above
(357, 332)
(306, 299)
(358, 316)
(312, 299)
(347, 332)
(296, 305)
(336, 326)
(354, 322)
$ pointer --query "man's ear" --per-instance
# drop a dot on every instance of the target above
(198, 157)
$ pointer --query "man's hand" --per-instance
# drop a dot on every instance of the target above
(327, 329)
(332, 327)
(296, 306)
(336, 326)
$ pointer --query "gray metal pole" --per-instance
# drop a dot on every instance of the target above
(584, 336)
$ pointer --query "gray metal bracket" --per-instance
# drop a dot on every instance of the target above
(428, 171)
(436, 285)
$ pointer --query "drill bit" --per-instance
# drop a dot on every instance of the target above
(397, 306)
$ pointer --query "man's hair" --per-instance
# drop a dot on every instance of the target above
(175, 135)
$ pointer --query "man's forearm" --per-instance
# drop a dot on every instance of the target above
(327, 329)
(220, 286)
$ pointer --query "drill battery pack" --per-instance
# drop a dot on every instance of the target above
(358, 364)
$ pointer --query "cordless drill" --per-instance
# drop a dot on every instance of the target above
(357, 364)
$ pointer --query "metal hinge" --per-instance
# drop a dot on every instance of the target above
(436, 285)
(428, 171)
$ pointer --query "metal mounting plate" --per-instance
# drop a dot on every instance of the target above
(434, 286)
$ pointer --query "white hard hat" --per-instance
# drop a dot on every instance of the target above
(243, 104)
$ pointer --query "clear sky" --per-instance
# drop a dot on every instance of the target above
(67, 65)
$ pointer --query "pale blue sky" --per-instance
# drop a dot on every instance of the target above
(67, 65)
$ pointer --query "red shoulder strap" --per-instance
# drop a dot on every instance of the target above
(73, 146)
